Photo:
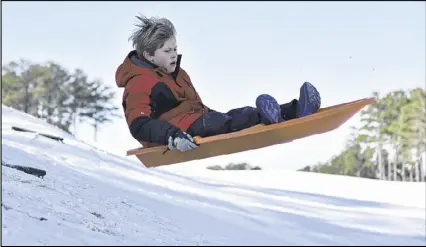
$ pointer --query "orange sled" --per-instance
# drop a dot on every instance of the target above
(259, 136)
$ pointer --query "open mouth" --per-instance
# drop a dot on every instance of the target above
(173, 63)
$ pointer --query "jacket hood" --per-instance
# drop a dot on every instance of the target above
(133, 66)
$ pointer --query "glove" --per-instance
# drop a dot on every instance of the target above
(181, 141)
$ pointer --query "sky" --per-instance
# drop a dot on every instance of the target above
(234, 51)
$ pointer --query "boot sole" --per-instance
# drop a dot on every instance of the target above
(269, 109)
(312, 99)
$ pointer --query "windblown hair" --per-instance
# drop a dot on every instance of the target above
(151, 34)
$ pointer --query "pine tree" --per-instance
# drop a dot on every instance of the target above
(99, 110)
(394, 102)
(372, 130)
(413, 129)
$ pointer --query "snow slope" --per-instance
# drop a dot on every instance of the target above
(90, 197)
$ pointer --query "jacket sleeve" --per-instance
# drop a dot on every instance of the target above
(143, 127)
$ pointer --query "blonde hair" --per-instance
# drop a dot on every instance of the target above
(151, 34)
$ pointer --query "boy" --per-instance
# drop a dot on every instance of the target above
(162, 107)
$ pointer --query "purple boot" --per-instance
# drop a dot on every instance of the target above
(309, 100)
(269, 109)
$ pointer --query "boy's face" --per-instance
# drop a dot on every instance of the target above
(166, 56)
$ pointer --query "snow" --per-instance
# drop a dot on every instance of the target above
(91, 197)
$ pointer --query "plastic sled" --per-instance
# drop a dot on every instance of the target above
(259, 136)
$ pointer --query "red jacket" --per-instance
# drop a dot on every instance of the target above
(156, 104)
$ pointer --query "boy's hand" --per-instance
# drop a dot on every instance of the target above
(181, 141)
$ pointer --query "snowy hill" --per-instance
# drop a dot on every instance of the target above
(90, 197)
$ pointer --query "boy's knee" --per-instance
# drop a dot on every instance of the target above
(211, 123)
(243, 118)
(216, 123)
(246, 111)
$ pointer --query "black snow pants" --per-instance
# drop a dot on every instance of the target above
(216, 123)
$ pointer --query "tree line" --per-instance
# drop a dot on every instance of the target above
(389, 144)
(62, 98)
(234, 166)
